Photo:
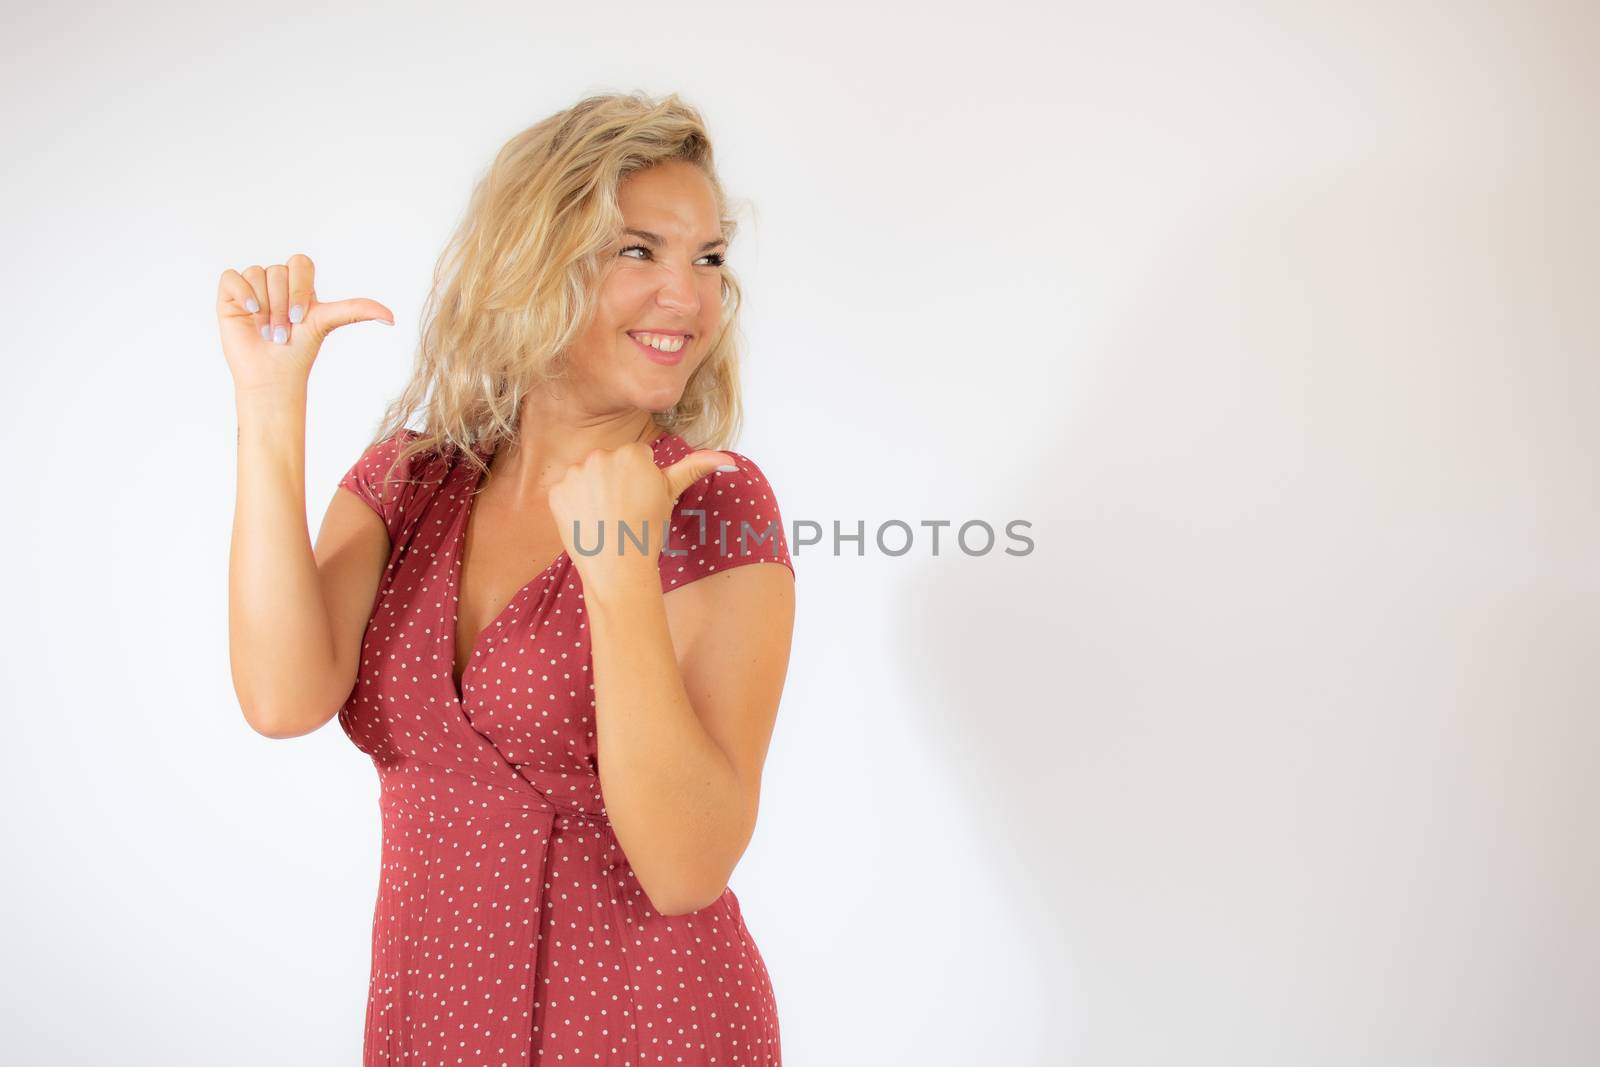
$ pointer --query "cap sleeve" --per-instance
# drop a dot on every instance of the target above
(726, 519)
(385, 492)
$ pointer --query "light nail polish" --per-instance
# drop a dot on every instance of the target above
(727, 468)
(280, 334)
(296, 313)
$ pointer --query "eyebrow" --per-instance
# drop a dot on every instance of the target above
(655, 239)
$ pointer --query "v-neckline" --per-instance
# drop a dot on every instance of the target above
(457, 572)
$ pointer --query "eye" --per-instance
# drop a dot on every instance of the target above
(716, 258)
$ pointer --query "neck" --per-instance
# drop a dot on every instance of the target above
(551, 439)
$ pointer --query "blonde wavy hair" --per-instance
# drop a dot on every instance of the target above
(519, 279)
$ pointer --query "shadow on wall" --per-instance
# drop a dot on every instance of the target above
(1244, 734)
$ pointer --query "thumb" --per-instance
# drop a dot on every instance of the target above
(691, 468)
(325, 318)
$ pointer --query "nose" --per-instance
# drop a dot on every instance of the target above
(678, 291)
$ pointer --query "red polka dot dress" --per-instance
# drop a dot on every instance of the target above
(509, 927)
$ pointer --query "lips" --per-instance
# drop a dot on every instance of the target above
(655, 355)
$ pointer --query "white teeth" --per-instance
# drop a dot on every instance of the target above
(660, 342)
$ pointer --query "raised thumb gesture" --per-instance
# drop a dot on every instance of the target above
(613, 487)
(273, 325)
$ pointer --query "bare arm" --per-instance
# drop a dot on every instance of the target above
(296, 614)
(686, 695)
(295, 617)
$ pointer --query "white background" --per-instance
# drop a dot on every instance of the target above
(1276, 320)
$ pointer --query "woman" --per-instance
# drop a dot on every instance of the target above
(569, 743)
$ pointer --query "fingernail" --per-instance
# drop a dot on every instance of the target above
(727, 467)
(265, 333)
(296, 313)
(251, 306)
(280, 334)
(386, 322)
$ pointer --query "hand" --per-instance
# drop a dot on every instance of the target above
(623, 485)
(259, 361)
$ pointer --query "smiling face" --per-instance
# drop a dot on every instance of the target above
(660, 295)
